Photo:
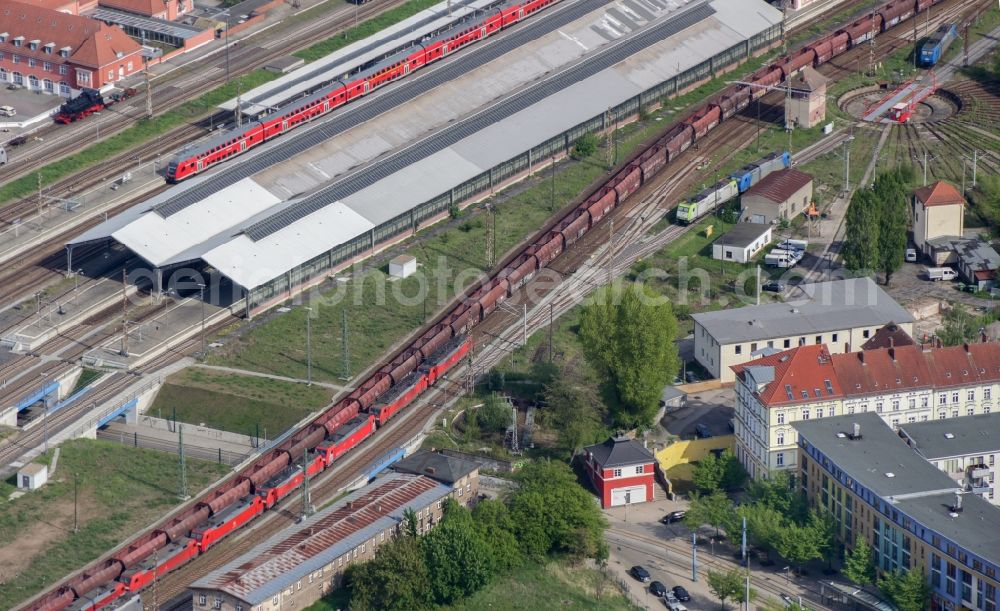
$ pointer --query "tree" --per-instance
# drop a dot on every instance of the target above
(631, 341)
(713, 509)
(494, 522)
(396, 578)
(859, 565)
(725, 585)
(707, 475)
(825, 526)
(908, 590)
(862, 232)
(778, 493)
(799, 544)
(470, 425)
(458, 558)
(585, 146)
(574, 409)
(733, 473)
(553, 513)
(495, 414)
(890, 193)
(764, 526)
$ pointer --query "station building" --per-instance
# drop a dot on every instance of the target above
(269, 243)
(54, 52)
(902, 385)
(913, 516)
(298, 566)
(622, 470)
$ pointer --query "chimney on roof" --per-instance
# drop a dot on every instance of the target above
(937, 341)
(965, 346)
(892, 351)
(957, 507)
(350, 504)
(982, 335)
(861, 356)
(892, 342)
(429, 470)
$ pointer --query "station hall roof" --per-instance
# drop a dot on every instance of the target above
(305, 548)
(251, 248)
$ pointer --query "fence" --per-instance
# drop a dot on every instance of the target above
(139, 440)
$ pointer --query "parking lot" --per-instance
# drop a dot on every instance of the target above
(28, 105)
(713, 408)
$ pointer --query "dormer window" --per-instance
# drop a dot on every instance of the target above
(33, 45)
(64, 52)
(49, 47)
(3, 36)
(119, 55)
(19, 41)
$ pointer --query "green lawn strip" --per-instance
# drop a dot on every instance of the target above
(120, 488)
(143, 131)
(87, 376)
(563, 586)
(236, 403)
(363, 30)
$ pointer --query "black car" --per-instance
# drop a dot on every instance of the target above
(702, 431)
(657, 589)
(681, 594)
(673, 516)
(640, 573)
(18, 141)
(773, 286)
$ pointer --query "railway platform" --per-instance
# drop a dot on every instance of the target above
(54, 316)
(155, 332)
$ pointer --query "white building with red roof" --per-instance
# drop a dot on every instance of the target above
(51, 51)
(622, 470)
(902, 384)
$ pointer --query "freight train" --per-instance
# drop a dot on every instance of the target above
(203, 155)
(242, 498)
(935, 46)
(726, 189)
(88, 102)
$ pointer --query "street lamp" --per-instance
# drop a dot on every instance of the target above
(201, 286)
(309, 364)
(76, 279)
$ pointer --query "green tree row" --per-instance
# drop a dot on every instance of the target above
(549, 514)
(875, 226)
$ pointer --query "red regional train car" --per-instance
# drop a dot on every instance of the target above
(167, 559)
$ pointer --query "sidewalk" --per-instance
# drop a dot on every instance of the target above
(257, 374)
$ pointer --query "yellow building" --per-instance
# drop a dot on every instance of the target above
(912, 515)
(938, 210)
(901, 384)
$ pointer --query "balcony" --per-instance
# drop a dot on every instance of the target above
(980, 487)
(979, 471)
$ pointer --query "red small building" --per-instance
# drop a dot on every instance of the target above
(622, 471)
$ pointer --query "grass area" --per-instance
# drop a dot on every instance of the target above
(363, 30)
(569, 587)
(86, 378)
(120, 489)
(236, 403)
(143, 131)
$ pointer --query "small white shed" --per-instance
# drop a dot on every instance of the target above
(402, 266)
(32, 476)
(742, 242)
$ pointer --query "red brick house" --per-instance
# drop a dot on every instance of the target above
(159, 9)
(47, 50)
(622, 471)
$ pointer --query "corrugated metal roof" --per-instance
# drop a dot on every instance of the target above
(304, 548)
(779, 186)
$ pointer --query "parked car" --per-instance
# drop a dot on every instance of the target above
(911, 255)
(639, 573)
(674, 605)
(702, 431)
(7, 111)
(940, 273)
(18, 141)
(673, 516)
(773, 286)
(657, 589)
(681, 594)
(668, 598)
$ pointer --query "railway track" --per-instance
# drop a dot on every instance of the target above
(594, 238)
(183, 84)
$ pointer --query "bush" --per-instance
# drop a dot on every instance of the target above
(585, 146)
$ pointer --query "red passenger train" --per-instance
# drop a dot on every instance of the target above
(203, 155)
(426, 360)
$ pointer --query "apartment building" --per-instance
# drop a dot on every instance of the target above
(966, 449)
(842, 314)
(901, 384)
(912, 515)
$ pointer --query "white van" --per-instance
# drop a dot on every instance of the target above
(941, 273)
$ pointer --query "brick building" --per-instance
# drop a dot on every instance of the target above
(55, 52)
(622, 471)
(157, 9)
(900, 384)
(296, 567)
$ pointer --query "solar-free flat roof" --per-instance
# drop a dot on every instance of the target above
(147, 24)
(976, 528)
(824, 306)
(879, 460)
(952, 437)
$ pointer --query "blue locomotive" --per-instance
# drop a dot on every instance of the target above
(935, 46)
